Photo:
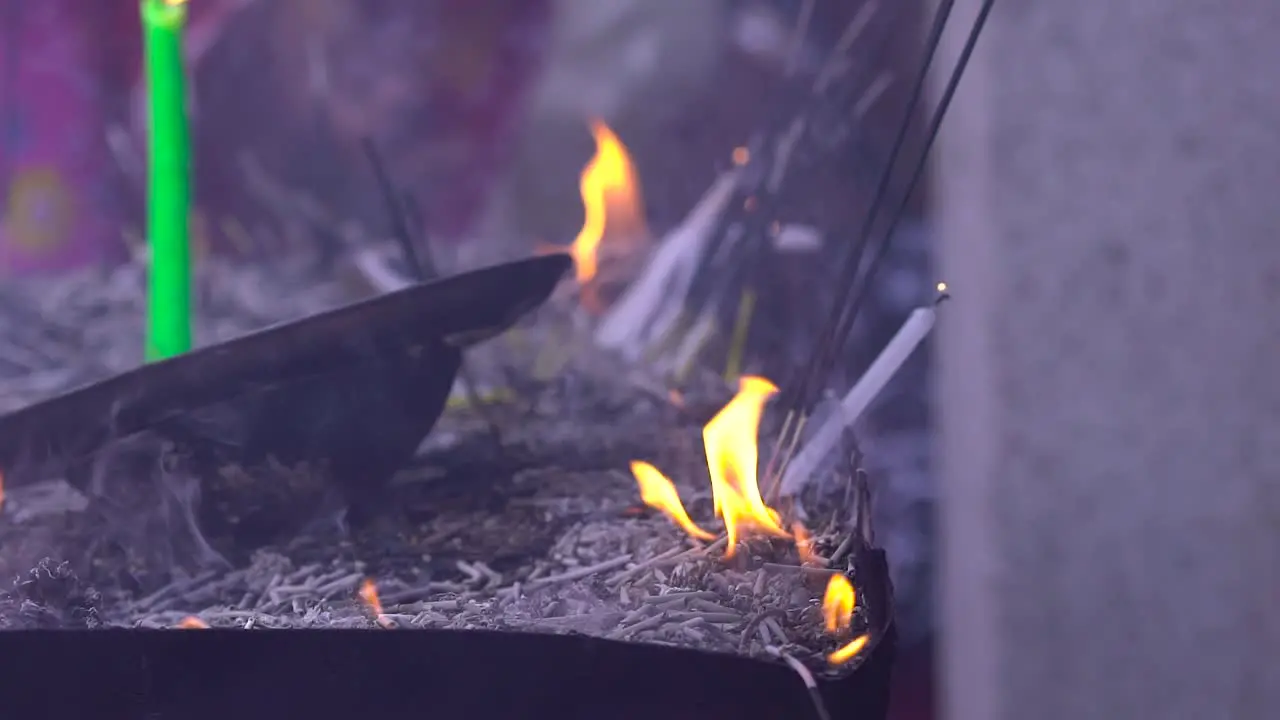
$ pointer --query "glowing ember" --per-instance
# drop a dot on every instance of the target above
(191, 622)
(849, 650)
(369, 594)
(610, 198)
(838, 604)
(1, 489)
(660, 494)
(732, 456)
(804, 545)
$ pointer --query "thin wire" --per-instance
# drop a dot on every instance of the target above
(823, 357)
(849, 268)
(851, 313)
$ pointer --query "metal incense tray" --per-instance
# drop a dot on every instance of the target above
(415, 673)
(355, 389)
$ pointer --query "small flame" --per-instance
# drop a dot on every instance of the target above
(804, 544)
(191, 622)
(369, 594)
(610, 198)
(849, 650)
(660, 494)
(732, 456)
(838, 603)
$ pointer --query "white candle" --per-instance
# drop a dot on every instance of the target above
(895, 354)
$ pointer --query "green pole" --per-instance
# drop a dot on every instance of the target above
(168, 180)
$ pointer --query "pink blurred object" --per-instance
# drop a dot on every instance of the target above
(64, 69)
(490, 57)
(55, 169)
(69, 70)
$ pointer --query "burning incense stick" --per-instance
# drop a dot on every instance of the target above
(168, 180)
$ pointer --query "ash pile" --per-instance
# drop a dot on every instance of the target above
(618, 465)
(556, 494)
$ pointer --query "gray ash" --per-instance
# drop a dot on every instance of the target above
(541, 534)
(50, 597)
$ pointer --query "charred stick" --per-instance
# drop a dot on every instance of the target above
(850, 314)
(815, 695)
(422, 268)
(798, 400)
(844, 311)
(767, 156)
(741, 241)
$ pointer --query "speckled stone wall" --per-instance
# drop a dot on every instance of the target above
(1109, 369)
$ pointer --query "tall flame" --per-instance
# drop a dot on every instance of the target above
(610, 198)
(659, 493)
(732, 456)
(730, 440)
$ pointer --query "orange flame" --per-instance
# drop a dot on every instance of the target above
(849, 650)
(732, 456)
(838, 603)
(660, 494)
(191, 622)
(837, 609)
(610, 198)
(369, 594)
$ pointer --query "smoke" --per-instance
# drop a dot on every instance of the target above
(145, 496)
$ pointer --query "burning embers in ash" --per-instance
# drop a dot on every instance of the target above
(369, 595)
(732, 449)
(837, 611)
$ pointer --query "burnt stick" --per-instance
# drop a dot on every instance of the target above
(844, 313)
(403, 213)
(798, 399)
(781, 149)
(850, 313)
(842, 317)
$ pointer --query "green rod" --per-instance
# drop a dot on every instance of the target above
(168, 180)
